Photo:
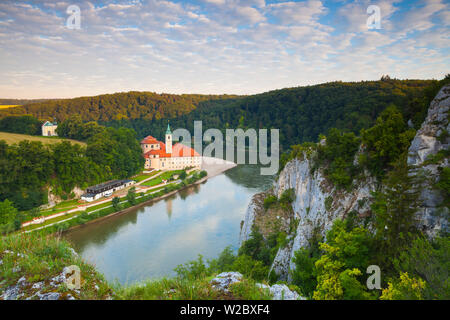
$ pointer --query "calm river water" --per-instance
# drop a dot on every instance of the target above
(151, 241)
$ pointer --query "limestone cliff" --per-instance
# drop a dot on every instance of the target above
(316, 206)
(318, 203)
(432, 138)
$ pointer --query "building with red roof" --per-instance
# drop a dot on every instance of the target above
(164, 156)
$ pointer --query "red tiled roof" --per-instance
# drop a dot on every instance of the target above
(178, 150)
(161, 152)
(149, 140)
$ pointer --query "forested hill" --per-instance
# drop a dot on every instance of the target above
(17, 102)
(108, 107)
(301, 113)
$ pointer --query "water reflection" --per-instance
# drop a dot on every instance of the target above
(151, 241)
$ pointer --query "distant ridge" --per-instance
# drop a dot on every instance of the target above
(301, 113)
(21, 101)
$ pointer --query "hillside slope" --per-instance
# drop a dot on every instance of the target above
(301, 113)
(11, 138)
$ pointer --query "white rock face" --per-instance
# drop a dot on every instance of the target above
(223, 281)
(309, 207)
(426, 143)
(279, 291)
(249, 218)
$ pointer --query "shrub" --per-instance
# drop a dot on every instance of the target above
(405, 288)
(131, 195)
(328, 203)
(224, 262)
(269, 201)
(250, 268)
(288, 196)
(195, 269)
(116, 203)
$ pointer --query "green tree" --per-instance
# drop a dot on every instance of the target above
(116, 203)
(404, 288)
(386, 141)
(224, 262)
(183, 175)
(131, 195)
(395, 210)
(337, 156)
(429, 261)
(339, 273)
(250, 268)
(305, 273)
(7, 212)
(192, 270)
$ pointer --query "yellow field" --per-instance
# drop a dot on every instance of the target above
(12, 138)
(6, 106)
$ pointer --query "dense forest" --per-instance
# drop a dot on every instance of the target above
(26, 124)
(300, 113)
(118, 106)
(16, 102)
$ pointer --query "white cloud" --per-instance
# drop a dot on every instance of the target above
(228, 47)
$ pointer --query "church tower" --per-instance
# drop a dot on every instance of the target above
(168, 139)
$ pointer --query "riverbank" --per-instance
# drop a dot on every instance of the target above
(213, 167)
(216, 166)
(63, 223)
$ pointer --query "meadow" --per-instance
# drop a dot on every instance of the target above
(12, 138)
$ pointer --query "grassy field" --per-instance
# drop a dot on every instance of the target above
(144, 176)
(165, 176)
(12, 138)
(60, 207)
(7, 106)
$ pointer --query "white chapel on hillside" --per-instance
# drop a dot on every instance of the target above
(49, 129)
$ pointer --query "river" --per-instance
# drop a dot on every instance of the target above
(149, 242)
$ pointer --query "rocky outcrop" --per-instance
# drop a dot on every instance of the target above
(53, 199)
(316, 206)
(253, 208)
(431, 139)
(23, 290)
(318, 203)
(223, 281)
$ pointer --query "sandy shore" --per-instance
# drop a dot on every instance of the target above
(216, 166)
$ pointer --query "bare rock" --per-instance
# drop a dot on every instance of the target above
(223, 281)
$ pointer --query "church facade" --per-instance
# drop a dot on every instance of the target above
(49, 129)
(165, 156)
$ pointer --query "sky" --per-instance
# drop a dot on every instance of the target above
(215, 46)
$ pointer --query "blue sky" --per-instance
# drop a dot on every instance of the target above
(215, 46)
